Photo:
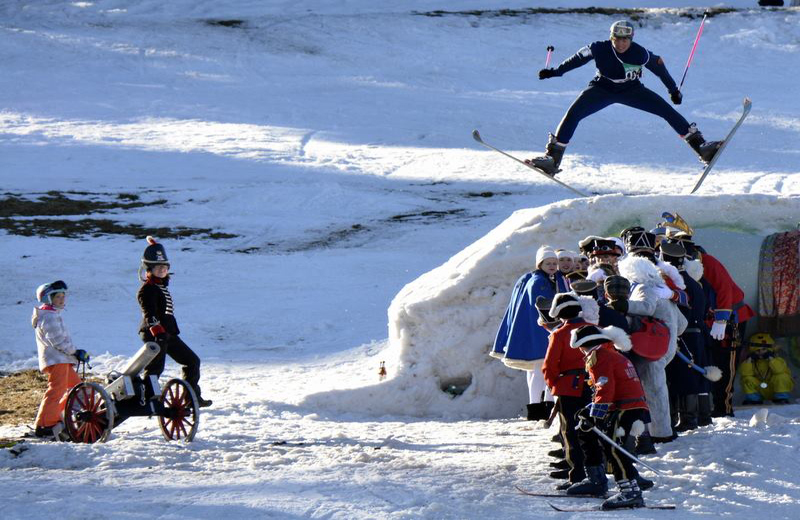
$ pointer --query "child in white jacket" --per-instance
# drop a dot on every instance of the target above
(57, 355)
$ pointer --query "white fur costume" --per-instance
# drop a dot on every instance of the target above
(650, 297)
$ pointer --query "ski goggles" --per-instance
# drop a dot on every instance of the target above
(58, 286)
(622, 31)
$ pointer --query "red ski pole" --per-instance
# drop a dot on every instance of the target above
(550, 50)
(694, 48)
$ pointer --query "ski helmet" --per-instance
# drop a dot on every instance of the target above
(761, 340)
(154, 254)
(622, 29)
(45, 291)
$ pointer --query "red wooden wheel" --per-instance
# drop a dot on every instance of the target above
(88, 413)
(181, 412)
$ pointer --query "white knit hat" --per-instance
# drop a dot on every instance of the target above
(563, 253)
(544, 252)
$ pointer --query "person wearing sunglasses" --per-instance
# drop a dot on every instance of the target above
(620, 63)
(57, 357)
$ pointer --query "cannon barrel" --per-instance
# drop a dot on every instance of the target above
(142, 357)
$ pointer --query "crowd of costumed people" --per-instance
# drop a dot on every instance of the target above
(629, 342)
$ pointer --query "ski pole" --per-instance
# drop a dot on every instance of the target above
(623, 450)
(550, 50)
(694, 48)
(693, 366)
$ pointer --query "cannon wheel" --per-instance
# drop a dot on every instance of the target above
(88, 413)
(181, 413)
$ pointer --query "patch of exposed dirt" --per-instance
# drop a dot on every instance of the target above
(96, 227)
(226, 23)
(20, 395)
(57, 203)
(16, 210)
(631, 13)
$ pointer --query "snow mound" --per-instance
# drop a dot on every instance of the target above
(442, 325)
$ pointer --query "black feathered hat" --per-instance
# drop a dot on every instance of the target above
(639, 240)
(154, 254)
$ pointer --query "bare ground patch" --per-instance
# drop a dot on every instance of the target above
(16, 212)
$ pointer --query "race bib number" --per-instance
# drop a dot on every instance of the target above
(632, 72)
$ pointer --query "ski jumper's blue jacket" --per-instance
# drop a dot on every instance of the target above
(618, 72)
(520, 339)
(618, 80)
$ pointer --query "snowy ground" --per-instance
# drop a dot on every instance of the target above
(334, 139)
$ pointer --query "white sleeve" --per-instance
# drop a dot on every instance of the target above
(56, 334)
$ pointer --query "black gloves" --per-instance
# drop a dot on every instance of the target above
(547, 73)
(619, 306)
(82, 356)
(676, 97)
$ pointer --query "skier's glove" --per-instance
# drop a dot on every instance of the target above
(676, 97)
(82, 356)
(718, 330)
(619, 306)
(547, 73)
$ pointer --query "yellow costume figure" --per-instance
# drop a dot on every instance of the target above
(764, 374)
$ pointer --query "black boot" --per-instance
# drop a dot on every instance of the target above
(704, 409)
(557, 453)
(561, 464)
(688, 413)
(560, 474)
(537, 412)
(705, 150)
(644, 445)
(629, 496)
(595, 483)
(549, 163)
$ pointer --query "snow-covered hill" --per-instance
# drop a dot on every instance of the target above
(332, 138)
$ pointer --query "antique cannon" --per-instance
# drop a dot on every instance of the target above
(93, 410)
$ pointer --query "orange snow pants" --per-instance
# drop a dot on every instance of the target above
(60, 380)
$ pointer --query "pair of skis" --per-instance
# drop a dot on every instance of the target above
(575, 509)
(746, 106)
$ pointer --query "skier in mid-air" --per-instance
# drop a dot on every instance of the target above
(619, 64)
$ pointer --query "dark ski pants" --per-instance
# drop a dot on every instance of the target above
(595, 98)
(568, 406)
(181, 353)
(726, 355)
(594, 448)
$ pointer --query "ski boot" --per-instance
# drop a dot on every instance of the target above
(643, 483)
(595, 483)
(549, 163)
(705, 150)
(629, 496)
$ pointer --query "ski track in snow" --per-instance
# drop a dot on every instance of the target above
(334, 139)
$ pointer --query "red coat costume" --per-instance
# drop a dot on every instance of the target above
(729, 297)
(564, 368)
(614, 379)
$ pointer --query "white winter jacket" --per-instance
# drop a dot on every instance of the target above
(52, 339)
